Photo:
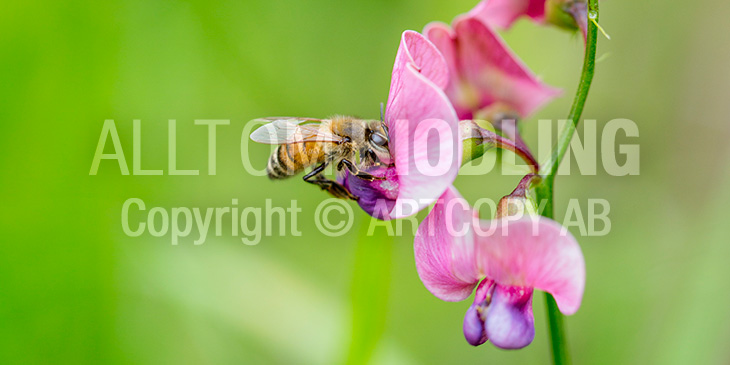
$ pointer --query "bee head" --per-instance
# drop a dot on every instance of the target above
(377, 137)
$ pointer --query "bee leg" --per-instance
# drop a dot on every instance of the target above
(333, 187)
(357, 172)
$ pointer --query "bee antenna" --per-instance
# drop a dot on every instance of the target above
(382, 122)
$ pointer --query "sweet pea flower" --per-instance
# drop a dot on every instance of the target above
(505, 260)
(423, 133)
(485, 73)
(568, 14)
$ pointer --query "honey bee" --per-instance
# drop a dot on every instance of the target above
(305, 142)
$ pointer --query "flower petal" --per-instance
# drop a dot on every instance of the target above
(497, 74)
(533, 252)
(427, 159)
(416, 50)
(377, 197)
(502, 13)
(443, 37)
(461, 93)
(444, 249)
(510, 323)
(423, 136)
(423, 126)
(474, 327)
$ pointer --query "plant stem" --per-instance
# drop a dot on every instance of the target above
(370, 284)
(544, 189)
(550, 168)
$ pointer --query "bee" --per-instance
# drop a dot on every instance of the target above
(305, 142)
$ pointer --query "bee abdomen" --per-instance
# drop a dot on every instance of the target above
(291, 159)
(280, 165)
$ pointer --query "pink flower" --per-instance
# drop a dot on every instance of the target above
(485, 73)
(563, 13)
(505, 260)
(423, 136)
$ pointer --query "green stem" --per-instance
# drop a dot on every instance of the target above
(544, 189)
(589, 64)
(370, 284)
(557, 331)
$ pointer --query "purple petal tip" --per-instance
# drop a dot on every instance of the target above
(510, 323)
(474, 327)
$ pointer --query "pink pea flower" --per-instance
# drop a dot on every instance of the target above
(485, 73)
(505, 259)
(423, 136)
(569, 14)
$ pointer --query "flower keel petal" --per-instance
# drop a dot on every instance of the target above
(510, 323)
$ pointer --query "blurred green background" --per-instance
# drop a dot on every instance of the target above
(75, 288)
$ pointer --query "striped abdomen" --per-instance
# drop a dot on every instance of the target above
(291, 159)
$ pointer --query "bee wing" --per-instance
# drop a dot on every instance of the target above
(291, 130)
(295, 120)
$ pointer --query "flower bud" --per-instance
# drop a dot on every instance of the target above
(565, 13)
(518, 204)
(477, 137)
(515, 207)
